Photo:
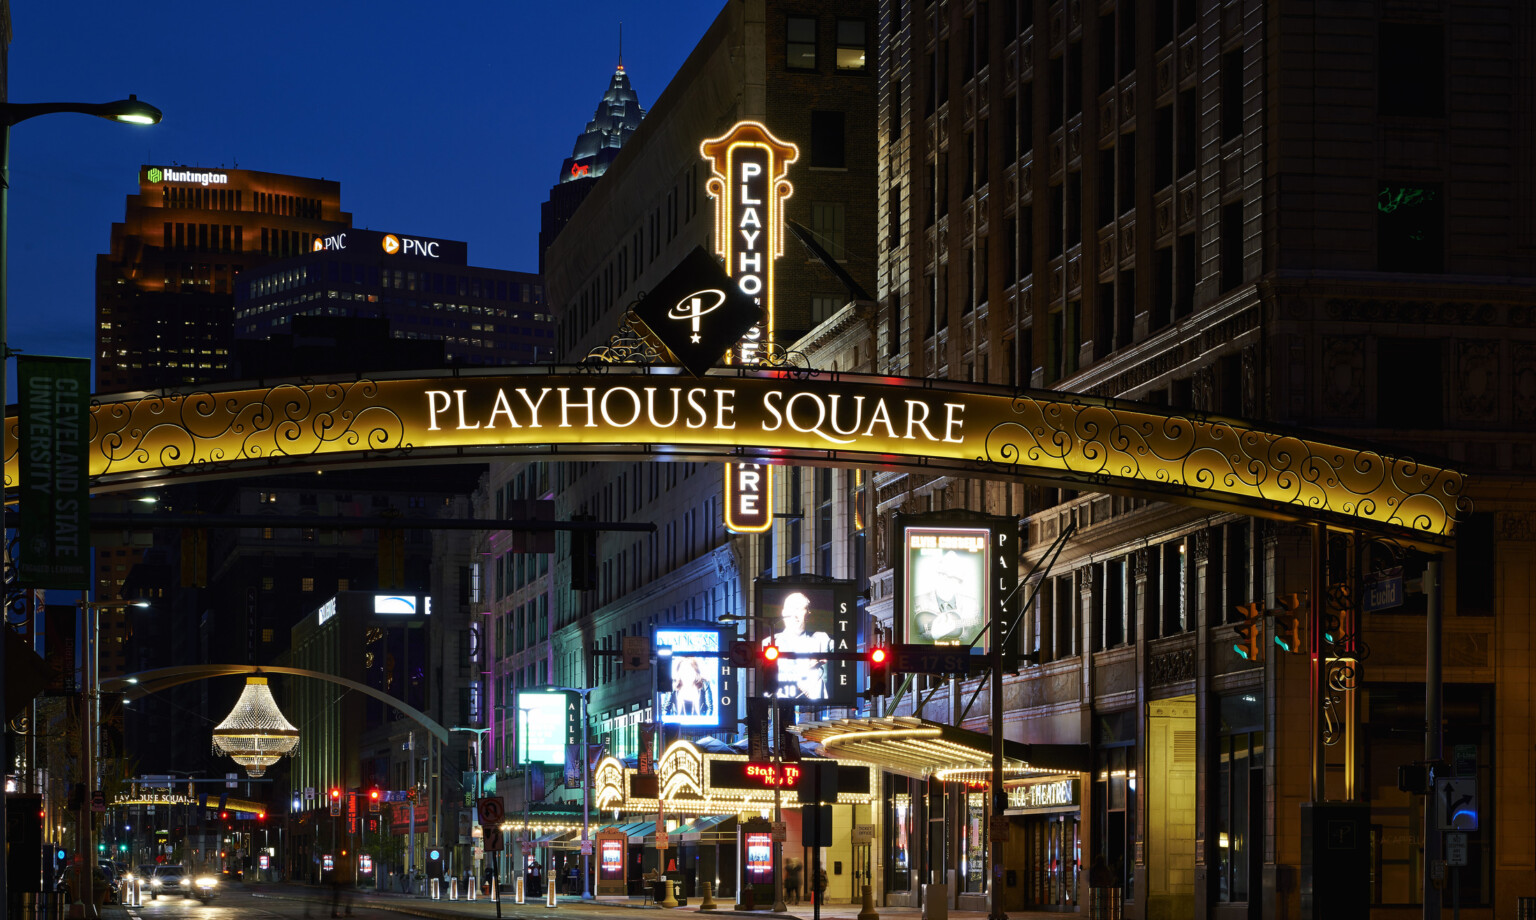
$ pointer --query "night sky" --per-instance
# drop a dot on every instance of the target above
(445, 119)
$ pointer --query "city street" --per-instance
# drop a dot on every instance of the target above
(239, 902)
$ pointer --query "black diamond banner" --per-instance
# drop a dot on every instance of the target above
(697, 312)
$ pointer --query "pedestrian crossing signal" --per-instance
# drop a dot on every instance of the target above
(1250, 632)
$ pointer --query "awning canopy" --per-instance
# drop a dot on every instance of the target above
(695, 829)
(919, 748)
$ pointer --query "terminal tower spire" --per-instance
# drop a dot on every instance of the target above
(617, 117)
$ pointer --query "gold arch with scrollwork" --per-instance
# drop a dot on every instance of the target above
(773, 416)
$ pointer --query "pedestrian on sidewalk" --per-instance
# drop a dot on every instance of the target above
(792, 881)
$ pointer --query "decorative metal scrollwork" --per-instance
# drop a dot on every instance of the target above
(627, 346)
(777, 357)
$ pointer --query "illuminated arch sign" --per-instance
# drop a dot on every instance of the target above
(769, 416)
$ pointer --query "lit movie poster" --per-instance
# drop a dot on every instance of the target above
(946, 591)
(694, 697)
(807, 619)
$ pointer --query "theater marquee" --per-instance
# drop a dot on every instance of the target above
(767, 416)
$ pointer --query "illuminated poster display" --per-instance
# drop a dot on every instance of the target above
(759, 863)
(541, 726)
(611, 860)
(807, 617)
(702, 685)
(946, 599)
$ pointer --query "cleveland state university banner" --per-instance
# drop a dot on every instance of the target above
(54, 480)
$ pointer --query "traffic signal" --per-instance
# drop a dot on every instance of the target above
(879, 671)
(1336, 614)
(1288, 624)
(583, 556)
(335, 803)
(373, 800)
(1250, 632)
(768, 670)
(410, 794)
(101, 848)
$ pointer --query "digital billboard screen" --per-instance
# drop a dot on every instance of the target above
(541, 730)
(807, 618)
(945, 601)
(759, 858)
(695, 676)
(611, 859)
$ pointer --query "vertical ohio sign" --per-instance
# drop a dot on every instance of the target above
(749, 169)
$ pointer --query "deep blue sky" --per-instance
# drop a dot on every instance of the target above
(447, 119)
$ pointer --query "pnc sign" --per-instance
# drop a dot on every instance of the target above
(749, 169)
(409, 246)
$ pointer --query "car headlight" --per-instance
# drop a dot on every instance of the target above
(207, 882)
(156, 882)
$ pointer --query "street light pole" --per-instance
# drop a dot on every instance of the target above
(129, 110)
(479, 790)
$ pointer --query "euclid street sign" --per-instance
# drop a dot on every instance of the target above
(749, 167)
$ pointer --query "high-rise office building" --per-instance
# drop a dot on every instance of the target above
(618, 115)
(165, 288)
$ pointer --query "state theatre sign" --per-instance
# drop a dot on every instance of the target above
(768, 416)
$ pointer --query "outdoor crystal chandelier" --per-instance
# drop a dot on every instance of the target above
(255, 733)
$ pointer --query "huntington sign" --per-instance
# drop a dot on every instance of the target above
(758, 415)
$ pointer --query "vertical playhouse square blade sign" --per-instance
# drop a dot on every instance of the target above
(54, 493)
(749, 169)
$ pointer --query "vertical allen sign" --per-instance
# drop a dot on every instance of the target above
(748, 182)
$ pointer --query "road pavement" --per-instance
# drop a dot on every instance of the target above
(291, 902)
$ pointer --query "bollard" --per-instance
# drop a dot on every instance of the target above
(453, 889)
(471, 890)
(433, 891)
(551, 899)
(517, 891)
(707, 902)
(670, 888)
(867, 912)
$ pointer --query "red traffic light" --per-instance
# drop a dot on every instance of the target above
(770, 653)
(373, 794)
(335, 793)
(878, 656)
(223, 816)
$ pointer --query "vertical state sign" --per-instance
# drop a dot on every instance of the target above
(749, 169)
(54, 493)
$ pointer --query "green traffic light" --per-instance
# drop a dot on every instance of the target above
(1241, 652)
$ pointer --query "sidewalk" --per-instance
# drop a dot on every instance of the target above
(415, 905)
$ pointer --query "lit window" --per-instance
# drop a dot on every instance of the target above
(850, 44)
(307, 583)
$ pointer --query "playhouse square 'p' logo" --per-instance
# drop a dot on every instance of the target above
(693, 308)
(391, 243)
(154, 174)
(696, 312)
